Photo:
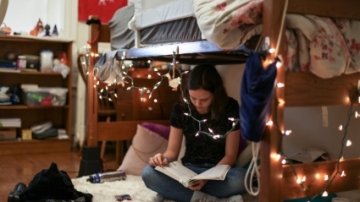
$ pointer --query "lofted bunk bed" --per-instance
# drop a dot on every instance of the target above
(277, 180)
(304, 89)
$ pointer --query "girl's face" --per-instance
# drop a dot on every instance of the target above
(201, 99)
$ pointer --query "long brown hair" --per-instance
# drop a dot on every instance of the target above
(206, 77)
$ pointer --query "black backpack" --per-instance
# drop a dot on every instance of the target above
(49, 185)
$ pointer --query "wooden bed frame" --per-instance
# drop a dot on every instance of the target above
(304, 89)
(120, 130)
(301, 89)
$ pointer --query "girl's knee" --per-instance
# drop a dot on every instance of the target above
(147, 173)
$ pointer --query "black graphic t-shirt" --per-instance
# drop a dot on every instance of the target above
(201, 146)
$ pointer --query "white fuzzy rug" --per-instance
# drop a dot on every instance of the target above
(105, 192)
(135, 187)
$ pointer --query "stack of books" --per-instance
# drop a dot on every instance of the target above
(9, 128)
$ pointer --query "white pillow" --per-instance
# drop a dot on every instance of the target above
(144, 145)
(219, 20)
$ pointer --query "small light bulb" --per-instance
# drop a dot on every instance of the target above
(326, 177)
(288, 132)
(270, 123)
(275, 156)
(272, 50)
(340, 128)
(357, 115)
(215, 137)
(348, 143)
(280, 85)
(343, 174)
(298, 180)
(281, 102)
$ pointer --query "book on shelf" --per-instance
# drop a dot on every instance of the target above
(10, 123)
(9, 69)
(186, 176)
(8, 134)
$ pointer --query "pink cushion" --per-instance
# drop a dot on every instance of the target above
(145, 144)
(160, 129)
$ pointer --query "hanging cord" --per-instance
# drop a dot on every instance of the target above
(252, 176)
(281, 31)
(251, 185)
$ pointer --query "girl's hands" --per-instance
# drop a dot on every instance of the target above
(197, 185)
(158, 160)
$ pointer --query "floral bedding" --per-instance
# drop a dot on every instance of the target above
(324, 46)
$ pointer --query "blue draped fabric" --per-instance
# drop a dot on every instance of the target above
(256, 93)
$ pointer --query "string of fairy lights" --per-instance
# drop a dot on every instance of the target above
(175, 76)
(306, 180)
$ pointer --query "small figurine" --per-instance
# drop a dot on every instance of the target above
(55, 31)
(47, 30)
(37, 29)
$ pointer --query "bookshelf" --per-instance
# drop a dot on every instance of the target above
(59, 115)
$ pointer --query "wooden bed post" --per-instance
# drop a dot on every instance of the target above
(270, 168)
(92, 104)
(91, 161)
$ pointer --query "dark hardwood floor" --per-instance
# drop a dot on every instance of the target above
(22, 168)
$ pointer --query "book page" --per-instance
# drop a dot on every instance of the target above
(185, 176)
(177, 171)
(217, 172)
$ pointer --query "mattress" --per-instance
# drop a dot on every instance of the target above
(326, 47)
(143, 23)
(181, 30)
(121, 37)
(148, 13)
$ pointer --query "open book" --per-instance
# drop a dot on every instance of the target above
(186, 176)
